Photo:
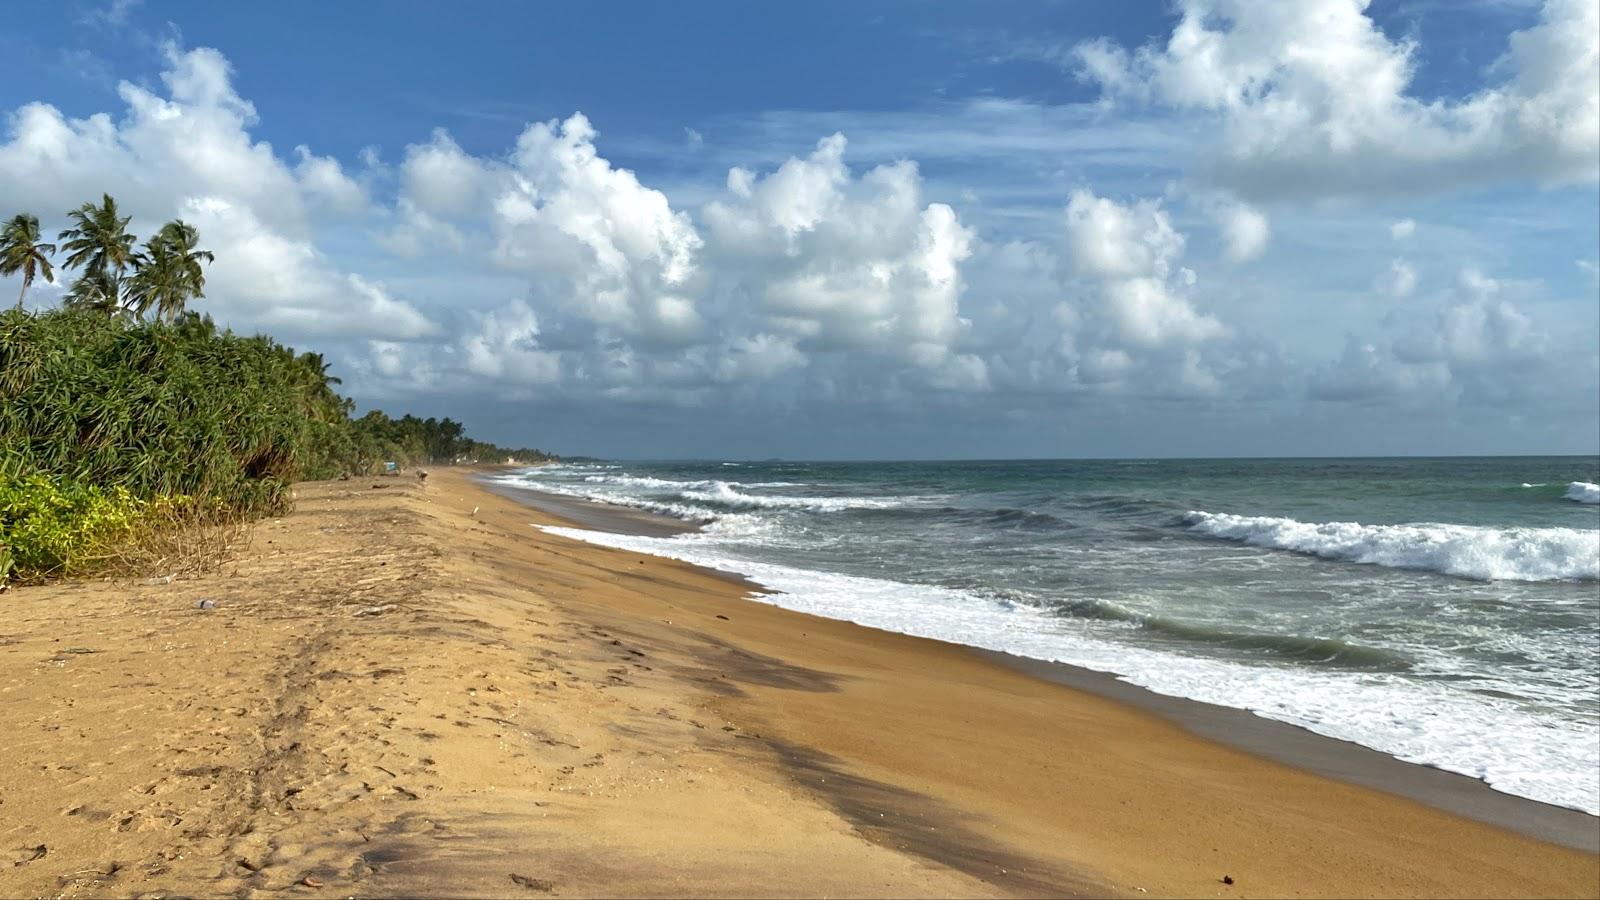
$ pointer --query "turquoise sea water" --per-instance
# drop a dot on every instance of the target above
(1446, 611)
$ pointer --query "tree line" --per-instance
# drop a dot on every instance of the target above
(431, 440)
(123, 403)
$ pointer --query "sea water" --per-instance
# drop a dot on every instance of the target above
(1444, 611)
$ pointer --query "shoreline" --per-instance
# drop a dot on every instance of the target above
(404, 689)
(590, 514)
(1344, 761)
(1242, 729)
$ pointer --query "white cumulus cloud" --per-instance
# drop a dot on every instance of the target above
(1313, 99)
(1245, 230)
(1132, 251)
(1126, 320)
(1479, 348)
(840, 262)
(1401, 278)
(602, 245)
(264, 278)
(441, 179)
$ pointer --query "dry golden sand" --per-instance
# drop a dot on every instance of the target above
(394, 696)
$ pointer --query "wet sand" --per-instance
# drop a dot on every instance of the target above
(407, 690)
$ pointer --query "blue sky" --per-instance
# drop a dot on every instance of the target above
(1209, 227)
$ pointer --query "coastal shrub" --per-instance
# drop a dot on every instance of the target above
(157, 409)
(50, 526)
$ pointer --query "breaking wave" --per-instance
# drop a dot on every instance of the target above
(1583, 492)
(698, 501)
(725, 494)
(1486, 554)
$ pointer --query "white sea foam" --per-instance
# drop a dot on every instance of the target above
(727, 494)
(1512, 749)
(687, 512)
(1534, 485)
(717, 523)
(600, 492)
(656, 484)
(1487, 554)
(695, 500)
(1583, 492)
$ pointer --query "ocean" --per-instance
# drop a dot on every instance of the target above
(1445, 611)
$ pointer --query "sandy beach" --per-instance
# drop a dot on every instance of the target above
(406, 689)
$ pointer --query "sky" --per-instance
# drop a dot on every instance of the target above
(869, 229)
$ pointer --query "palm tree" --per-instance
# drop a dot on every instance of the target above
(168, 272)
(22, 251)
(320, 400)
(94, 291)
(100, 244)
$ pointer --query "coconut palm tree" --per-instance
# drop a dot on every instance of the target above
(316, 372)
(168, 273)
(94, 291)
(22, 251)
(99, 243)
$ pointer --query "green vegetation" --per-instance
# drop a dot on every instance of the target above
(22, 252)
(52, 526)
(99, 243)
(123, 416)
(408, 440)
(168, 272)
